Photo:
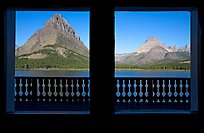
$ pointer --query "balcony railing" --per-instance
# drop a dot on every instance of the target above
(154, 93)
(129, 92)
(52, 93)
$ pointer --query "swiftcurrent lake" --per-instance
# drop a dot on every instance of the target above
(118, 73)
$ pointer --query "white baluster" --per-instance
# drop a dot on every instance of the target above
(26, 85)
(141, 93)
(77, 85)
(169, 93)
(146, 91)
(31, 86)
(49, 88)
(118, 91)
(55, 85)
(67, 92)
(187, 93)
(83, 91)
(135, 91)
(175, 93)
(38, 89)
(153, 93)
(163, 91)
(89, 88)
(123, 93)
(21, 85)
(158, 93)
(181, 91)
(72, 86)
(61, 92)
(129, 92)
(43, 85)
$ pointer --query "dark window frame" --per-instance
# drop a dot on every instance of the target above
(195, 44)
(101, 109)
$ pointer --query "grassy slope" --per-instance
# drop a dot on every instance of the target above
(53, 61)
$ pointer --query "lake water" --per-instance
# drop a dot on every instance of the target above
(118, 73)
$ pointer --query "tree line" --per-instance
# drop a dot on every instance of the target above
(163, 66)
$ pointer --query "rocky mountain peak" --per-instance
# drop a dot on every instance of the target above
(58, 22)
(56, 35)
(186, 48)
(150, 43)
(152, 38)
(56, 19)
(153, 51)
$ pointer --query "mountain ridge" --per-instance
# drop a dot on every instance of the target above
(56, 30)
(57, 39)
(152, 52)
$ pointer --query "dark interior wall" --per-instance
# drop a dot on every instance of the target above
(102, 16)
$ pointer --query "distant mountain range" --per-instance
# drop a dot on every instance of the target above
(56, 45)
(154, 52)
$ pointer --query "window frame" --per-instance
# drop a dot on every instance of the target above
(10, 19)
(10, 61)
(195, 43)
(101, 110)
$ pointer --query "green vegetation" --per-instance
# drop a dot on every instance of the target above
(52, 61)
(73, 60)
(162, 66)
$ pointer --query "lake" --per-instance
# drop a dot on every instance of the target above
(118, 73)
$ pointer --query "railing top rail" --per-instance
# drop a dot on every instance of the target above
(152, 78)
(148, 78)
(51, 77)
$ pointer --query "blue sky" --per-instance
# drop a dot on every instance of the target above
(28, 22)
(133, 28)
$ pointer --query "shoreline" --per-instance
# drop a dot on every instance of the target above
(153, 70)
(115, 70)
(51, 69)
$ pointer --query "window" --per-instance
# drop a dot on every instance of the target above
(102, 65)
(153, 60)
(140, 93)
(52, 61)
(52, 44)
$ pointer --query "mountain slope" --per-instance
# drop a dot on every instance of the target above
(56, 40)
(154, 52)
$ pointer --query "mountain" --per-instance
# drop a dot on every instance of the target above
(150, 43)
(57, 42)
(185, 48)
(152, 52)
